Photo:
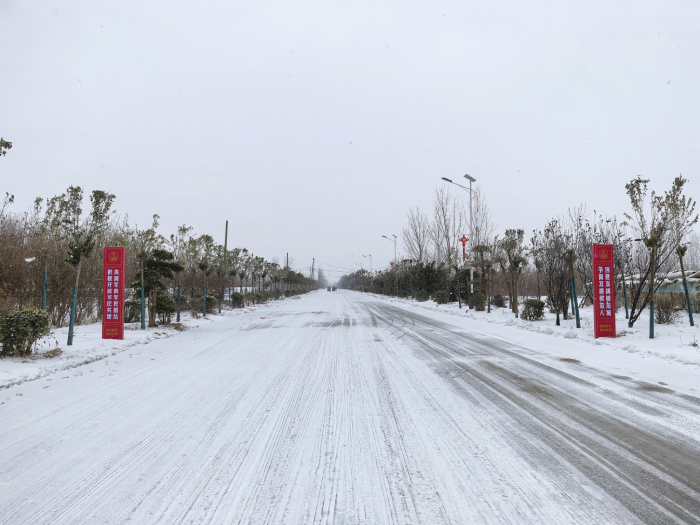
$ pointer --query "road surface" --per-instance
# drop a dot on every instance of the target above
(348, 409)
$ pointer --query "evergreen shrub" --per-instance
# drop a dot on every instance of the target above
(533, 310)
(441, 297)
(499, 300)
(196, 304)
(19, 330)
(480, 301)
(166, 306)
(238, 300)
(132, 309)
(422, 296)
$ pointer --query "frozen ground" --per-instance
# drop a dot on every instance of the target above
(352, 409)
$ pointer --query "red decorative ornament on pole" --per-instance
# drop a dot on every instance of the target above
(464, 241)
(603, 291)
(113, 293)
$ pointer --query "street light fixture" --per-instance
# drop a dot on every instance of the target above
(394, 241)
(369, 256)
(471, 230)
(362, 272)
(371, 277)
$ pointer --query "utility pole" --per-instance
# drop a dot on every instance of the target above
(313, 265)
(225, 263)
(471, 236)
(225, 243)
(394, 241)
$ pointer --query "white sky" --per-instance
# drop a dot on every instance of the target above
(313, 126)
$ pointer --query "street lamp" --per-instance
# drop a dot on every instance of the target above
(369, 256)
(394, 241)
(371, 277)
(362, 272)
(471, 230)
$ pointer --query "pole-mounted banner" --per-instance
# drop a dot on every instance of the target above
(603, 291)
(113, 293)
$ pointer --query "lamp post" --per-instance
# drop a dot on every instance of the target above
(394, 241)
(371, 277)
(369, 256)
(471, 231)
(394, 263)
(362, 271)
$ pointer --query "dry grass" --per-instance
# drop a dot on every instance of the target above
(649, 387)
(570, 360)
(45, 355)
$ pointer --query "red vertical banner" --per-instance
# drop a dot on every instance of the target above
(603, 291)
(113, 293)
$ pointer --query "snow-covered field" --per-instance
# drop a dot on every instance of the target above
(348, 408)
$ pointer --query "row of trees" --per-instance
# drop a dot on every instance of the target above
(649, 243)
(61, 240)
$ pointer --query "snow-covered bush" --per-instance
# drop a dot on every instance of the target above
(422, 296)
(441, 297)
(238, 301)
(132, 309)
(196, 304)
(166, 306)
(19, 330)
(533, 310)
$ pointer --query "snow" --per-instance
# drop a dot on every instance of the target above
(52, 354)
(347, 408)
(669, 359)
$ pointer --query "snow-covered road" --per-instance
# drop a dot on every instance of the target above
(344, 408)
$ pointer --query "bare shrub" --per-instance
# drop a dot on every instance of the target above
(666, 311)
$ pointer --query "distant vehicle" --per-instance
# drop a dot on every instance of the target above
(335, 288)
(329, 288)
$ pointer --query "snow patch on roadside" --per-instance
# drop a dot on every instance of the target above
(88, 346)
(671, 343)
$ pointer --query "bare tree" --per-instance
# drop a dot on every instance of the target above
(417, 235)
(514, 252)
(449, 220)
(660, 228)
(549, 248)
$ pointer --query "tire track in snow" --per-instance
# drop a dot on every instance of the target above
(623, 476)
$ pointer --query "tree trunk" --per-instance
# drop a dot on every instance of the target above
(77, 281)
(685, 288)
(77, 272)
(152, 308)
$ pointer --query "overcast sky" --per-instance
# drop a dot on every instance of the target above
(313, 126)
